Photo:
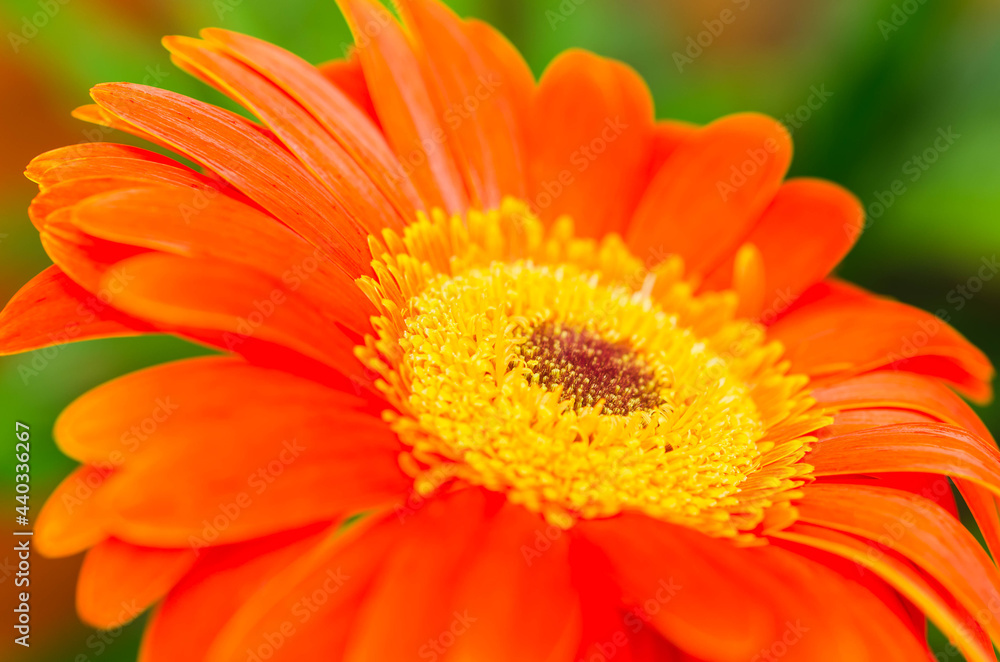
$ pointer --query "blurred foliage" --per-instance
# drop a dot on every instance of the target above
(893, 73)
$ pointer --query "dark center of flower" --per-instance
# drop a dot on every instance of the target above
(590, 368)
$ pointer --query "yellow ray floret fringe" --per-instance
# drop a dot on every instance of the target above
(463, 303)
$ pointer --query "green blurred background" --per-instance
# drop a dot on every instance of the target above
(882, 77)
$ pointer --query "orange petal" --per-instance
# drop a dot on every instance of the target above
(351, 574)
(590, 160)
(352, 129)
(219, 227)
(303, 455)
(518, 588)
(248, 158)
(677, 571)
(928, 447)
(472, 98)
(88, 150)
(913, 392)
(235, 302)
(901, 390)
(918, 530)
(712, 190)
(939, 605)
(405, 105)
(303, 135)
(72, 519)
(347, 76)
(94, 114)
(51, 310)
(733, 603)
(809, 227)
(118, 581)
(501, 56)
(222, 580)
(846, 336)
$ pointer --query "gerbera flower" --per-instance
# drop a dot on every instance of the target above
(510, 371)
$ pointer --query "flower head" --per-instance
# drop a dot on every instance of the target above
(510, 370)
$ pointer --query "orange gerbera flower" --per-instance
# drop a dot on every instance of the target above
(582, 373)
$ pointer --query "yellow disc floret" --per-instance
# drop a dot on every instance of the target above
(564, 373)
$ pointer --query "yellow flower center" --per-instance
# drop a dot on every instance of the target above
(564, 373)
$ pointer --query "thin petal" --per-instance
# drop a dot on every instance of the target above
(348, 77)
(300, 132)
(405, 105)
(51, 310)
(939, 605)
(471, 95)
(903, 390)
(918, 530)
(355, 132)
(249, 159)
(224, 229)
(235, 303)
(926, 448)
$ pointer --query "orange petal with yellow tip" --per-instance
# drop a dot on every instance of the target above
(119, 581)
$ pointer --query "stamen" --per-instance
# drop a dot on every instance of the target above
(590, 369)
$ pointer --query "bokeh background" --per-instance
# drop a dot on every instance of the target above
(864, 85)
